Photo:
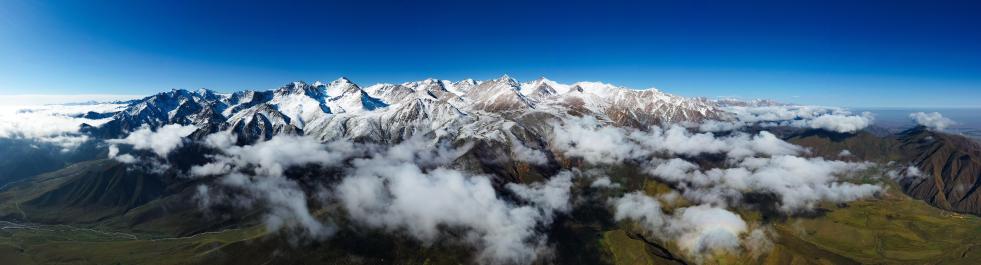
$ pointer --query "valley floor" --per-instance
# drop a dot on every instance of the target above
(893, 229)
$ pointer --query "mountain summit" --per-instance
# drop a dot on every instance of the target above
(341, 108)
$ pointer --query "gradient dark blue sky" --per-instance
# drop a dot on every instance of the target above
(843, 53)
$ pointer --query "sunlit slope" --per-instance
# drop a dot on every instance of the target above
(894, 229)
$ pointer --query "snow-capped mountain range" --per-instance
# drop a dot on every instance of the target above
(392, 112)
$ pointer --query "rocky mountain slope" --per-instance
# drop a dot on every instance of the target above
(939, 168)
(392, 112)
(948, 171)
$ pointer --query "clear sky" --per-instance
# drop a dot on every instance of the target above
(841, 53)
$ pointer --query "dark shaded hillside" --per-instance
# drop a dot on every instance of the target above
(22, 158)
(951, 167)
(105, 189)
(109, 194)
(83, 192)
(862, 145)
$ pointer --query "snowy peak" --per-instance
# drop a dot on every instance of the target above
(347, 97)
(300, 102)
(543, 85)
(435, 88)
(207, 94)
(341, 86)
(505, 79)
(542, 90)
(500, 86)
(597, 88)
(341, 108)
(390, 93)
(502, 94)
(429, 84)
(300, 88)
(341, 80)
(355, 101)
(461, 87)
(734, 102)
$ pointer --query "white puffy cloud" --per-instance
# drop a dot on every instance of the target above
(907, 173)
(755, 163)
(800, 183)
(553, 195)
(841, 123)
(256, 172)
(527, 154)
(406, 187)
(113, 151)
(764, 143)
(402, 197)
(933, 120)
(696, 229)
(760, 163)
(596, 142)
(813, 117)
(604, 182)
(274, 156)
(285, 201)
(391, 191)
(220, 140)
(588, 139)
(124, 158)
(641, 208)
(161, 142)
(705, 228)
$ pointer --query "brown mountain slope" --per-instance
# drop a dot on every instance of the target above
(950, 166)
(861, 146)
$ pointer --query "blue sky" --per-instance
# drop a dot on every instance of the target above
(841, 53)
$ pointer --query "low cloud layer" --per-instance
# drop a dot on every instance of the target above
(271, 157)
(754, 163)
(799, 183)
(696, 230)
(408, 187)
(811, 117)
(595, 142)
(390, 190)
(161, 141)
(256, 173)
(759, 164)
(933, 120)
(56, 124)
(20, 101)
